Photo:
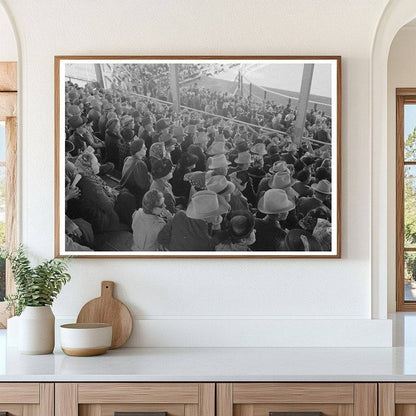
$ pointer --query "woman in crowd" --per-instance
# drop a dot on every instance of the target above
(112, 139)
(127, 135)
(170, 144)
(148, 221)
(96, 201)
(135, 176)
(162, 173)
(157, 152)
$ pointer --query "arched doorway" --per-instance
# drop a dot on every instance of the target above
(396, 14)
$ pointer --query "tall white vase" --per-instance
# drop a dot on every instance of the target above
(37, 330)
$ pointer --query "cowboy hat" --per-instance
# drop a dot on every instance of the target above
(275, 201)
(259, 149)
(217, 148)
(281, 180)
(218, 161)
(220, 185)
(243, 158)
(219, 138)
(205, 204)
(323, 187)
(279, 166)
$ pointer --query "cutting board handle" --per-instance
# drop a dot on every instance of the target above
(107, 289)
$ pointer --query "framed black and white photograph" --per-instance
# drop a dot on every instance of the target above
(198, 156)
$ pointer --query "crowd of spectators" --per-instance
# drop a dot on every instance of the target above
(154, 82)
(264, 113)
(150, 79)
(192, 181)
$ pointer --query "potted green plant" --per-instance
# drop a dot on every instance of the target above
(36, 289)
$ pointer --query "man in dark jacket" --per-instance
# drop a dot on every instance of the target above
(195, 229)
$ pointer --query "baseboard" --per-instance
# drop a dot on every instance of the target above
(258, 332)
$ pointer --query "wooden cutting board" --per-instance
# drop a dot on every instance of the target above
(107, 309)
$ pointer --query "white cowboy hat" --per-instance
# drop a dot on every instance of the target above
(259, 149)
(324, 187)
(279, 166)
(275, 201)
(217, 148)
(220, 185)
(205, 204)
(218, 161)
(243, 158)
(281, 180)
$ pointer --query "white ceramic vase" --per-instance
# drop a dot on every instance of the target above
(37, 330)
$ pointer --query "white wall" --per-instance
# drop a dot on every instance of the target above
(179, 302)
(8, 47)
(401, 74)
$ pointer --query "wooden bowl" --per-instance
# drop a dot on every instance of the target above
(85, 340)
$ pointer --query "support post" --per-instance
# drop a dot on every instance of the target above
(305, 90)
(174, 87)
(99, 74)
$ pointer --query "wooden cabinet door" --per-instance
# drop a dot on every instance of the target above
(297, 399)
(148, 399)
(397, 399)
(27, 399)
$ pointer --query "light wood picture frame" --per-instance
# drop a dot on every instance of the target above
(274, 121)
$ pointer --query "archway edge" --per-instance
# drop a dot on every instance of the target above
(7, 11)
(396, 14)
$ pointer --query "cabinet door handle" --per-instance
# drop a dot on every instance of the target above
(296, 414)
(138, 414)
